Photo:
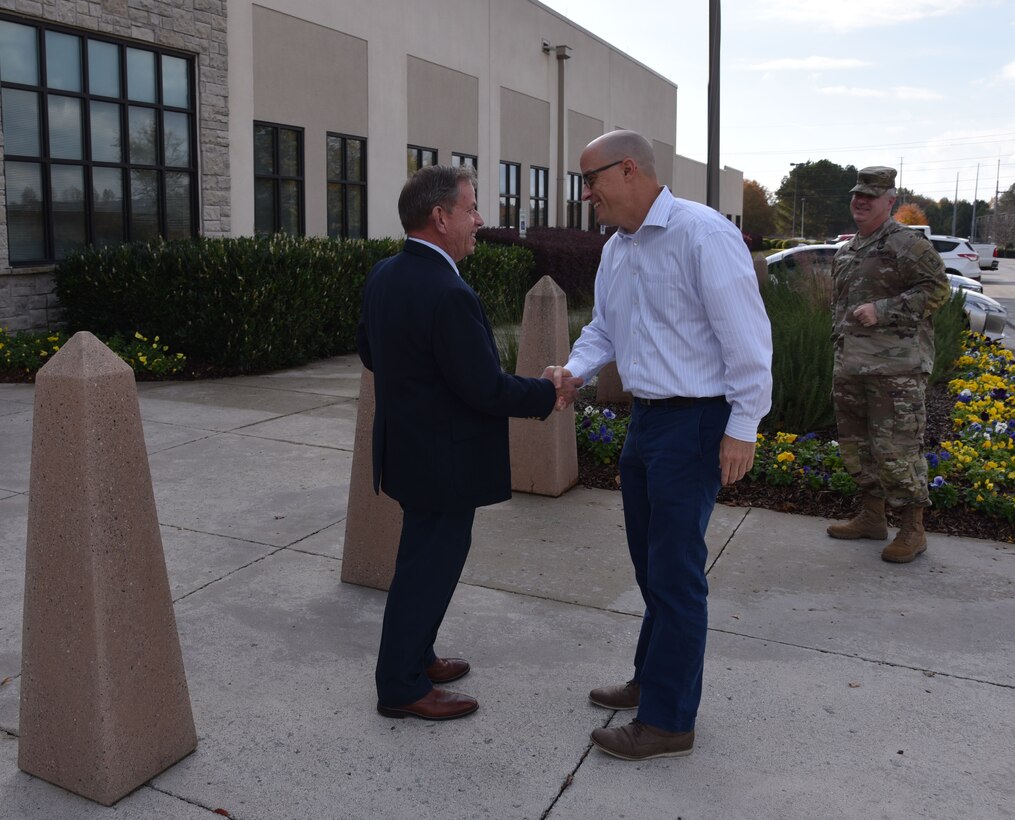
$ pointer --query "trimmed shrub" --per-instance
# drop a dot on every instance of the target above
(244, 304)
(569, 256)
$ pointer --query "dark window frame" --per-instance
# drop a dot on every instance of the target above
(574, 200)
(457, 160)
(46, 162)
(539, 199)
(278, 177)
(415, 152)
(346, 182)
(510, 195)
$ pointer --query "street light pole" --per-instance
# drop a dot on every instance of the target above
(796, 188)
(803, 214)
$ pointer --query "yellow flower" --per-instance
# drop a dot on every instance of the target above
(784, 456)
(137, 335)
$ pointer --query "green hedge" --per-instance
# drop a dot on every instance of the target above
(250, 303)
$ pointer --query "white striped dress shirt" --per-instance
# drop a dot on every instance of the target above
(677, 307)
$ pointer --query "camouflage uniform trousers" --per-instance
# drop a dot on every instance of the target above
(881, 421)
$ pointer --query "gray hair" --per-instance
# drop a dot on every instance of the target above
(426, 189)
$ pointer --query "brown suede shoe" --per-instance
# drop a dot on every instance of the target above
(617, 697)
(639, 741)
(437, 704)
(445, 670)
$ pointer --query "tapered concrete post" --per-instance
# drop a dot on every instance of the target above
(609, 388)
(373, 522)
(104, 700)
(544, 454)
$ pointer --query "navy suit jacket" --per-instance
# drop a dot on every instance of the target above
(440, 437)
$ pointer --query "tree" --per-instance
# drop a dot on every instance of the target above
(911, 214)
(814, 198)
(759, 215)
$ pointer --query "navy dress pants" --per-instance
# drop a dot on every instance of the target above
(670, 476)
(431, 554)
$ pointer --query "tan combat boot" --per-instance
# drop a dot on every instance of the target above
(870, 522)
(910, 541)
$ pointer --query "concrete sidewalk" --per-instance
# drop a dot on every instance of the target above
(836, 685)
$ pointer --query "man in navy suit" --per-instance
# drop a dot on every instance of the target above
(440, 438)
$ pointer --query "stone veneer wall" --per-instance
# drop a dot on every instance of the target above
(27, 301)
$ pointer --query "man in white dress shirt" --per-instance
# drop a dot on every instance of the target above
(677, 307)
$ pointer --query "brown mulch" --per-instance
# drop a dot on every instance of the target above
(959, 520)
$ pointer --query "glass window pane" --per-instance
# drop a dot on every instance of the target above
(178, 205)
(334, 157)
(141, 75)
(63, 61)
(107, 206)
(144, 205)
(142, 135)
(335, 208)
(289, 206)
(103, 68)
(65, 134)
(503, 178)
(264, 206)
(428, 158)
(67, 184)
(176, 129)
(19, 53)
(107, 143)
(264, 149)
(21, 122)
(25, 234)
(411, 161)
(533, 182)
(357, 230)
(288, 152)
(354, 166)
(175, 81)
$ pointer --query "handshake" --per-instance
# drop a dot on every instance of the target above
(566, 384)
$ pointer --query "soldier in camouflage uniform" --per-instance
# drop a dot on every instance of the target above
(887, 283)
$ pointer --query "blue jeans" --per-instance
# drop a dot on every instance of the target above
(670, 476)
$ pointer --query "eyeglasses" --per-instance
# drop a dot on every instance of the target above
(589, 177)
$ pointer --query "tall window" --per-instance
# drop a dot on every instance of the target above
(539, 182)
(99, 141)
(347, 187)
(509, 196)
(465, 159)
(418, 157)
(278, 179)
(574, 201)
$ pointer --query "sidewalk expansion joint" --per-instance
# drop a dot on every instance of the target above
(567, 782)
(231, 572)
(876, 661)
(215, 811)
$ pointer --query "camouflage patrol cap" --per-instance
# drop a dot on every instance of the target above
(874, 181)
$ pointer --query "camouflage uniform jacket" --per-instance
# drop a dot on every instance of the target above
(898, 270)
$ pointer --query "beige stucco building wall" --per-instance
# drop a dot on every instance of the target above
(475, 77)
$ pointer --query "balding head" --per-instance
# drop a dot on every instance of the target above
(618, 145)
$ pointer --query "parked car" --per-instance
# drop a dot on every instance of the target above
(985, 315)
(987, 252)
(956, 252)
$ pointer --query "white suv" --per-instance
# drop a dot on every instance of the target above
(956, 252)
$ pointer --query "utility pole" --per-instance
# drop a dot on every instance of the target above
(955, 205)
(803, 213)
(796, 188)
(712, 171)
(976, 187)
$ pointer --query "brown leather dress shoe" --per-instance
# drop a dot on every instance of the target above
(445, 670)
(437, 704)
(617, 697)
(639, 741)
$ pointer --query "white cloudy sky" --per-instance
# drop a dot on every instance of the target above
(928, 85)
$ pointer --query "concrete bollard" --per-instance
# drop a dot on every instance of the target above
(544, 454)
(609, 388)
(373, 522)
(104, 700)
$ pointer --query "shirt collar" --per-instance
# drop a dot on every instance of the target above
(441, 251)
(657, 216)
